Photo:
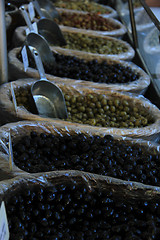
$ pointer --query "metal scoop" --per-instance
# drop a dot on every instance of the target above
(48, 28)
(48, 9)
(37, 41)
(48, 98)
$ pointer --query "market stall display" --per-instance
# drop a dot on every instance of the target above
(93, 174)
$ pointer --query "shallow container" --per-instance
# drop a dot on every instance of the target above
(131, 204)
(139, 103)
(128, 54)
(139, 86)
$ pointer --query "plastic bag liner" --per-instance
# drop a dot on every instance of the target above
(112, 14)
(23, 128)
(151, 42)
(92, 181)
(20, 36)
(143, 21)
(4, 175)
(8, 113)
(139, 86)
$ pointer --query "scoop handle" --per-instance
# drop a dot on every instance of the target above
(39, 63)
(26, 18)
(37, 7)
(3, 145)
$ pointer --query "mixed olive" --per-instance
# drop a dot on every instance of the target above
(73, 211)
(88, 21)
(101, 155)
(83, 6)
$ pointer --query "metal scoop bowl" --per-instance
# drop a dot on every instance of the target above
(37, 41)
(48, 97)
(48, 28)
(48, 9)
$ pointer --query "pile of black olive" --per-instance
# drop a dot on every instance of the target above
(76, 212)
(101, 155)
(79, 69)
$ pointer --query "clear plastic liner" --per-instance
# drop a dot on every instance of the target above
(125, 8)
(157, 71)
(91, 181)
(151, 132)
(151, 42)
(142, 20)
(5, 172)
(19, 38)
(139, 86)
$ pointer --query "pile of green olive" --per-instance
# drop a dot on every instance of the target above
(93, 44)
(96, 110)
(83, 6)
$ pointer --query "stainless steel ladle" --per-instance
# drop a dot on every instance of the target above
(37, 41)
(48, 28)
(48, 97)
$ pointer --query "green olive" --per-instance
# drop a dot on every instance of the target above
(98, 104)
(112, 109)
(104, 102)
(96, 110)
(81, 109)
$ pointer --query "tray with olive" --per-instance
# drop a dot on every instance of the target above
(74, 205)
(104, 111)
(84, 70)
(43, 147)
(93, 44)
(91, 23)
(84, 7)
